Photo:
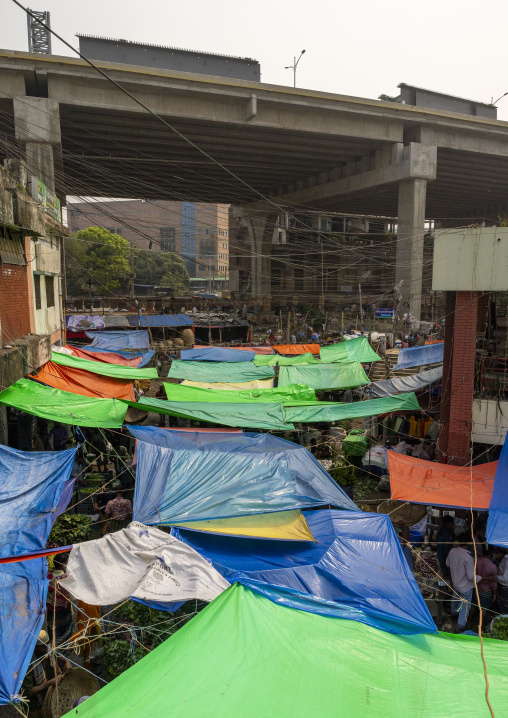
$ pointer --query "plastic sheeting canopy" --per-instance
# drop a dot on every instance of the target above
(401, 384)
(292, 349)
(216, 354)
(160, 320)
(357, 349)
(56, 405)
(324, 376)
(419, 356)
(292, 392)
(249, 415)
(195, 476)
(497, 524)
(307, 358)
(248, 657)
(115, 371)
(79, 381)
(425, 482)
(356, 569)
(322, 411)
(31, 485)
(108, 357)
(119, 340)
(145, 356)
(217, 372)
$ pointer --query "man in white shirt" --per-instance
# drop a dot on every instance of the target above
(461, 565)
(502, 583)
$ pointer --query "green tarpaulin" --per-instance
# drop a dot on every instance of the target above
(293, 392)
(249, 415)
(357, 349)
(355, 443)
(324, 376)
(273, 359)
(116, 371)
(244, 656)
(232, 372)
(337, 412)
(62, 406)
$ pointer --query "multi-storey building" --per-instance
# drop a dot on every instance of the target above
(196, 231)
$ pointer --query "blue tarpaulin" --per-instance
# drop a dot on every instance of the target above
(419, 356)
(356, 570)
(216, 354)
(145, 356)
(31, 485)
(119, 340)
(190, 476)
(497, 524)
(160, 320)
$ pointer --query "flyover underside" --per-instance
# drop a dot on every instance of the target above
(112, 153)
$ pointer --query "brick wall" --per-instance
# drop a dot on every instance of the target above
(461, 378)
(14, 302)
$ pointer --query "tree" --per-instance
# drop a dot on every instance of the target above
(98, 255)
(164, 269)
(104, 257)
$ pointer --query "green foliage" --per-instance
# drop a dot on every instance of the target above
(70, 529)
(163, 269)
(118, 657)
(104, 257)
(499, 629)
(98, 255)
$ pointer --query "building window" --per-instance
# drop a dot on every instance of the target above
(200, 231)
(299, 280)
(168, 237)
(50, 291)
(115, 230)
(212, 232)
(37, 290)
(206, 231)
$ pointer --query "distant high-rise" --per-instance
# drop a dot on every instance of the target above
(196, 231)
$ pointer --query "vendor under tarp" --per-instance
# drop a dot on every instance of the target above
(425, 482)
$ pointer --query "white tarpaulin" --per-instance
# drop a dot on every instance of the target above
(402, 384)
(143, 562)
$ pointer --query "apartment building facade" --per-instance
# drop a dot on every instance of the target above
(196, 231)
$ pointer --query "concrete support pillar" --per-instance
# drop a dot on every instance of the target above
(410, 233)
(37, 127)
(261, 226)
(458, 378)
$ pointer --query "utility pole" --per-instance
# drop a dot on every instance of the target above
(132, 272)
(361, 310)
(294, 66)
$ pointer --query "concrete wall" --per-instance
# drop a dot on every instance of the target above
(490, 421)
(169, 58)
(471, 259)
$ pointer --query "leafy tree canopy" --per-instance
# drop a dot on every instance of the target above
(104, 257)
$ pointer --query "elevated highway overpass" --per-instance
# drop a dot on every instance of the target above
(285, 147)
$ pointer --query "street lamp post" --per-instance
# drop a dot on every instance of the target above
(294, 66)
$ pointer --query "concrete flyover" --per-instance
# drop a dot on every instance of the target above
(298, 148)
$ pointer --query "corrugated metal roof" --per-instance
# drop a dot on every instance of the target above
(12, 251)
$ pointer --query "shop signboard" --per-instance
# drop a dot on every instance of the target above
(383, 313)
(48, 199)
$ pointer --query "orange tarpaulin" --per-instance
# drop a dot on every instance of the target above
(297, 348)
(425, 482)
(104, 357)
(80, 381)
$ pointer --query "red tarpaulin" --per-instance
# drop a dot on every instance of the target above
(297, 348)
(80, 381)
(105, 357)
(425, 482)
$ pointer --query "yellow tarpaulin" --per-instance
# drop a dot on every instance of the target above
(282, 525)
(256, 384)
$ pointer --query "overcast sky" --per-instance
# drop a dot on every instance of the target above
(363, 48)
